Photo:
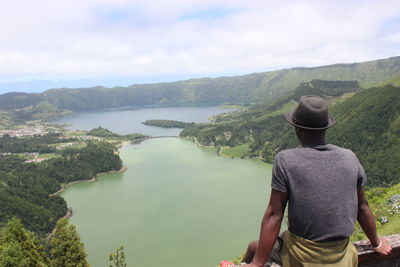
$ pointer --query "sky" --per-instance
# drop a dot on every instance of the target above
(80, 43)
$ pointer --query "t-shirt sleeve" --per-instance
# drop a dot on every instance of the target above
(279, 178)
(362, 177)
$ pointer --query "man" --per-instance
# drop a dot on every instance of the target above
(324, 186)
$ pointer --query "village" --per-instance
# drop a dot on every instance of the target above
(26, 131)
(79, 140)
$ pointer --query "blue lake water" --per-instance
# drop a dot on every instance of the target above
(130, 120)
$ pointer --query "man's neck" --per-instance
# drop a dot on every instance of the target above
(310, 138)
(313, 142)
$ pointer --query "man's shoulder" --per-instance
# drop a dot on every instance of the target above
(320, 148)
(342, 150)
(339, 148)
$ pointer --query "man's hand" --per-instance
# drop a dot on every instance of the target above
(384, 249)
(368, 224)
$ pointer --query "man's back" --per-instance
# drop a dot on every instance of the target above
(324, 185)
(321, 182)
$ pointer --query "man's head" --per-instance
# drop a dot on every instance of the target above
(311, 119)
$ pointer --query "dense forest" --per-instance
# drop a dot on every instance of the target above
(37, 143)
(29, 209)
(25, 188)
(251, 88)
(368, 123)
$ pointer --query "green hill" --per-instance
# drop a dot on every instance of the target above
(16, 100)
(255, 125)
(368, 123)
(251, 88)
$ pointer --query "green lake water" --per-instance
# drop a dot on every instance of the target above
(177, 205)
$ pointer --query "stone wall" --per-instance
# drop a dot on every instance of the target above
(368, 258)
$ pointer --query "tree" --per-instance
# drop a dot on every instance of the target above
(66, 248)
(20, 247)
(117, 259)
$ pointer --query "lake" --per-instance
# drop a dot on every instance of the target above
(125, 121)
(177, 205)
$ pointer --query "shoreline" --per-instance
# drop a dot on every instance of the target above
(123, 143)
(66, 216)
(65, 186)
(246, 157)
(219, 151)
(94, 179)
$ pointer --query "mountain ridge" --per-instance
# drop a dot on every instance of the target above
(249, 88)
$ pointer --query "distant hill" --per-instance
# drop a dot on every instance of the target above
(251, 88)
(317, 87)
(326, 89)
(368, 123)
(17, 100)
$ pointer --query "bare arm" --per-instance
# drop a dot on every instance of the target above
(367, 221)
(270, 226)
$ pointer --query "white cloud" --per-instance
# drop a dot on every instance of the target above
(111, 38)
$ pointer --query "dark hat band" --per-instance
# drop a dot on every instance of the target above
(311, 124)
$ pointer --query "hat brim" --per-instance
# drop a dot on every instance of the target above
(289, 118)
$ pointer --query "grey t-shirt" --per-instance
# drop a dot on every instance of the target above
(322, 185)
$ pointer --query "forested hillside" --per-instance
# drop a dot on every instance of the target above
(263, 122)
(25, 188)
(368, 123)
(103, 132)
(250, 88)
(37, 143)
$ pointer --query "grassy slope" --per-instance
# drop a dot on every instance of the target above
(49, 155)
(237, 151)
(378, 200)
